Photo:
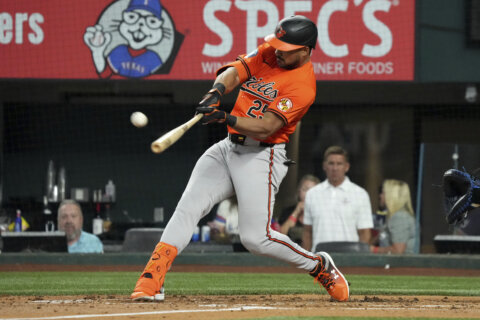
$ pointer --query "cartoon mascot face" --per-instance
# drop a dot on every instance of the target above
(133, 39)
(141, 23)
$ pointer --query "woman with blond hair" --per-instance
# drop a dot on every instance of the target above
(400, 222)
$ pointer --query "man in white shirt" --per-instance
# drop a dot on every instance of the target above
(336, 209)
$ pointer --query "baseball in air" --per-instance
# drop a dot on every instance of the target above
(138, 119)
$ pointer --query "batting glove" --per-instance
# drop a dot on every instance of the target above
(212, 98)
(212, 115)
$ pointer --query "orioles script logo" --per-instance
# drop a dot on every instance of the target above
(265, 89)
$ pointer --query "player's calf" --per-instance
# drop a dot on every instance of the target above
(150, 284)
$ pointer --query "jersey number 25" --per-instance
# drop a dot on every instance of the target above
(253, 111)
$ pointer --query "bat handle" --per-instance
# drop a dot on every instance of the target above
(190, 123)
(197, 117)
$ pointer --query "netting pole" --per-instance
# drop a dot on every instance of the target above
(1, 154)
(419, 198)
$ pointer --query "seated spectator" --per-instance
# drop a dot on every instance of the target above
(291, 218)
(224, 228)
(400, 222)
(70, 220)
(336, 210)
(379, 223)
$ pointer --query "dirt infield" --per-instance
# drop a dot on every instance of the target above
(237, 307)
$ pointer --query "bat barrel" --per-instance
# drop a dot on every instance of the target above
(169, 138)
(156, 148)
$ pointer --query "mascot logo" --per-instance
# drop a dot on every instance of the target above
(133, 39)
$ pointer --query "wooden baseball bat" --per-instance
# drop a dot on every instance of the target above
(169, 138)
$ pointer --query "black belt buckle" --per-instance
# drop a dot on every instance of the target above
(238, 138)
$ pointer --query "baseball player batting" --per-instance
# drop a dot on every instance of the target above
(277, 88)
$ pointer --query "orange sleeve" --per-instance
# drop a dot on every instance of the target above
(291, 106)
(243, 72)
(248, 64)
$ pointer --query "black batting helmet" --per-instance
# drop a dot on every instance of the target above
(293, 33)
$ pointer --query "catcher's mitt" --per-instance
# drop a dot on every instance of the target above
(462, 193)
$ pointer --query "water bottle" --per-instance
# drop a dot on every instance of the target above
(54, 197)
(50, 181)
(97, 223)
(107, 223)
(49, 226)
(196, 234)
(47, 216)
(110, 191)
(97, 226)
(18, 222)
(62, 184)
(205, 233)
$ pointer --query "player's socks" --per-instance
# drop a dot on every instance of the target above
(331, 278)
(149, 284)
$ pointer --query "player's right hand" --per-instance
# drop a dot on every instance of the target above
(211, 114)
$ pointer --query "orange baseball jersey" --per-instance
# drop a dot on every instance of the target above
(269, 88)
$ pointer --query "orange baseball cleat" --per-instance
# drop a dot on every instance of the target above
(331, 278)
(149, 286)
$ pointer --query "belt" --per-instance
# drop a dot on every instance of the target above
(247, 141)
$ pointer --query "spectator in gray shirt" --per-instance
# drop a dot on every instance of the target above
(400, 222)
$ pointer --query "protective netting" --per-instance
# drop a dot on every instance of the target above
(89, 134)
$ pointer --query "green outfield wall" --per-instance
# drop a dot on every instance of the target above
(454, 261)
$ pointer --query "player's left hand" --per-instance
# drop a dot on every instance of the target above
(209, 107)
(212, 98)
(211, 115)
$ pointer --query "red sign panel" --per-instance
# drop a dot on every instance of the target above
(184, 40)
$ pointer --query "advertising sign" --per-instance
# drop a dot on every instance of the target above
(189, 40)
